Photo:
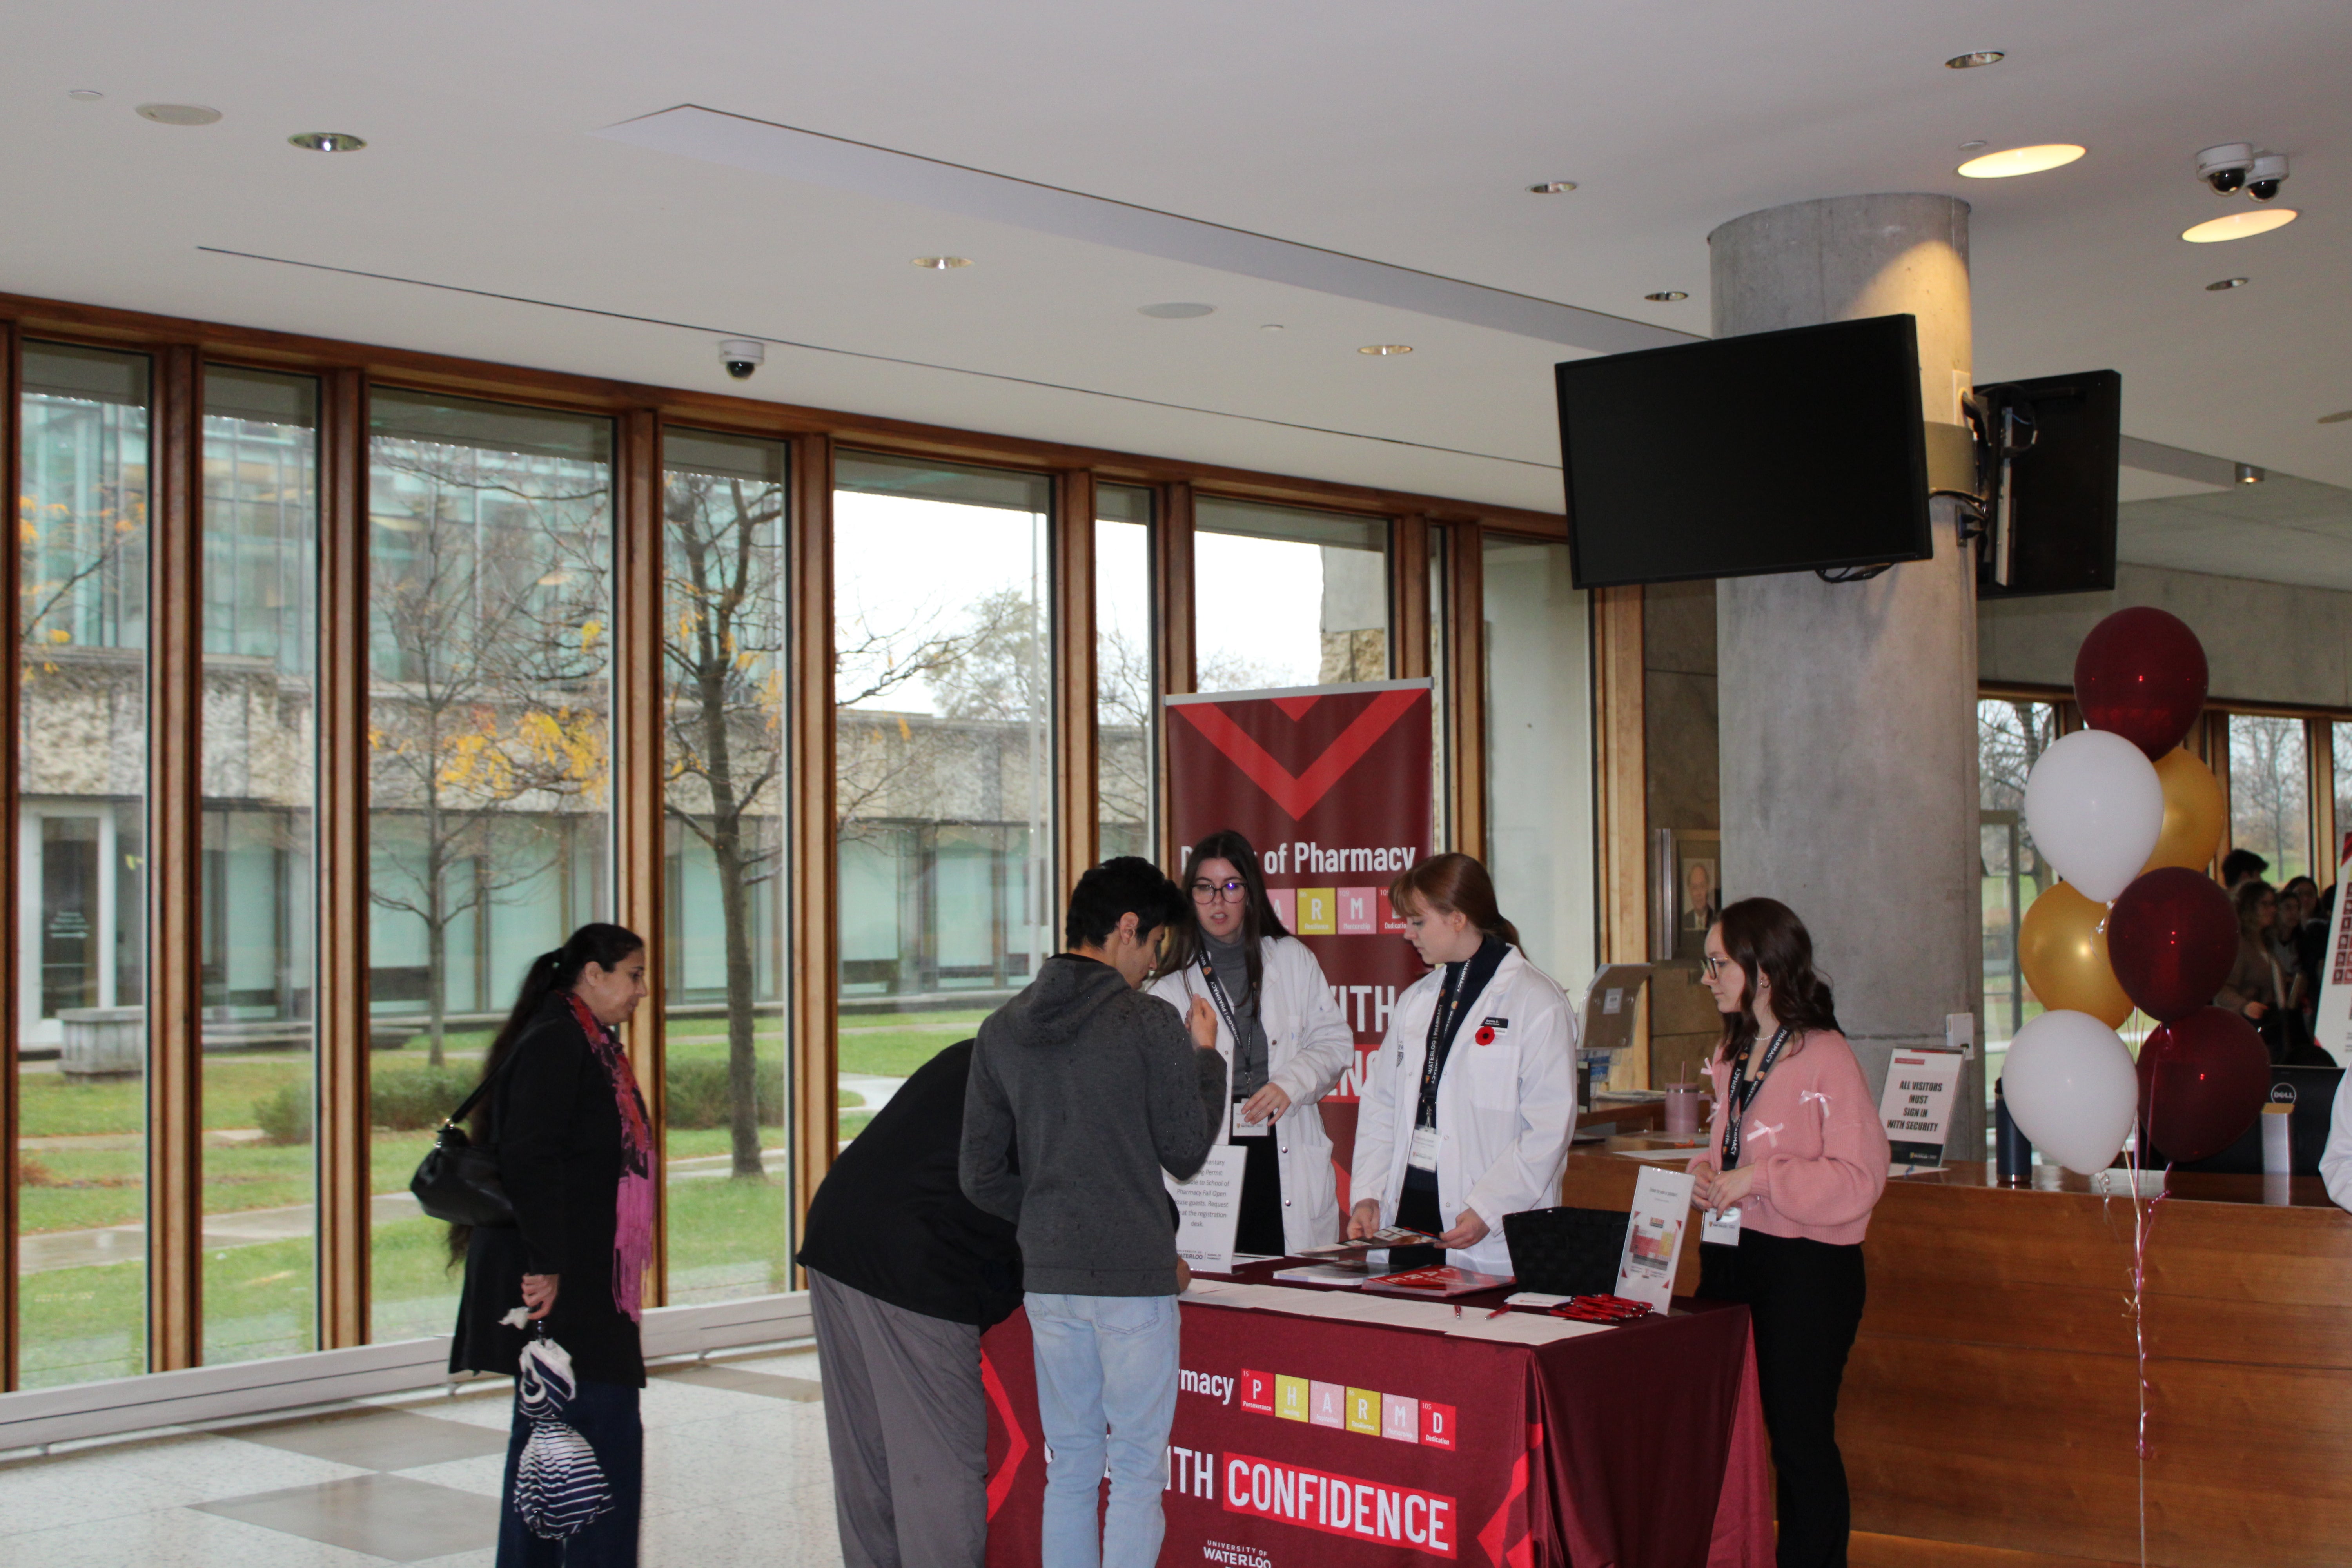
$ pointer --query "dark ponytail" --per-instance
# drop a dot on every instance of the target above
(552, 973)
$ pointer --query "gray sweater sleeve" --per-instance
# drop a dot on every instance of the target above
(983, 1168)
(1188, 1094)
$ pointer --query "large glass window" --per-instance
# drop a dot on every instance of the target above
(260, 596)
(944, 776)
(723, 589)
(81, 626)
(1285, 597)
(490, 546)
(2269, 793)
(1124, 686)
(2012, 735)
(1539, 691)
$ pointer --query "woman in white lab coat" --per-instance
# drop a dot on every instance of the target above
(1285, 1042)
(1468, 1108)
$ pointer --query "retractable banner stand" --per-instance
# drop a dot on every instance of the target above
(2333, 1024)
(1332, 784)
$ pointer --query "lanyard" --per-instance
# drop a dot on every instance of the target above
(1743, 1092)
(1225, 1008)
(1444, 1022)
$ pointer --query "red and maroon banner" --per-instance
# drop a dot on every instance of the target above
(1333, 785)
(1310, 1440)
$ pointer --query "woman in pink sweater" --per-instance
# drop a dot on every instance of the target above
(1796, 1162)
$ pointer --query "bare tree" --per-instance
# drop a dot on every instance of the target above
(724, 646)
(488, 704)
(2269, 805)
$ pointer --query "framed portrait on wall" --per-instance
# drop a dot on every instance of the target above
(1698, 890)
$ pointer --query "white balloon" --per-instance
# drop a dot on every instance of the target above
(2095, 808)
(2071, 1088)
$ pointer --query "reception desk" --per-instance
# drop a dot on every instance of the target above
(1991, 1405)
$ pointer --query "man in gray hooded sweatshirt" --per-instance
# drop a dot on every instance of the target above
(1083, 1090)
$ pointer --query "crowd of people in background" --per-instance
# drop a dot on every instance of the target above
(2282, 936)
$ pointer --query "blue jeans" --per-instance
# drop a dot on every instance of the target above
(605, 1414)
(1104, 1361)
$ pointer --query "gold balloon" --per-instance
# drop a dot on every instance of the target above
(2062, 946)
(2193, 811)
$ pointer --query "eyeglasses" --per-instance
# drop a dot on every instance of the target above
(1231, 893)
(1714, 965)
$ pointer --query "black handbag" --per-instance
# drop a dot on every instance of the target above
(1567, 1251)
(457, 1182)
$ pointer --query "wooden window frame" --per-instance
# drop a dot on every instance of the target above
(347, 373)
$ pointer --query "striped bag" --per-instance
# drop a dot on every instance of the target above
(559, 1485)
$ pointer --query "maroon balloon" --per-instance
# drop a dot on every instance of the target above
(2171, 938)
(2202, 1080)
(2141, 673)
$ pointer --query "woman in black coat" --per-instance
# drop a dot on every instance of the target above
(576, 1152)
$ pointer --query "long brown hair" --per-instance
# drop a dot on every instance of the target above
(2247, 899)
(1456, 884)
(1259, 921)
(1764, 936)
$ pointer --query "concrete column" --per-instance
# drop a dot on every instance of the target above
(1848, 710)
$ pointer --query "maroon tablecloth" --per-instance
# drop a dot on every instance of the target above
(1307, 1440)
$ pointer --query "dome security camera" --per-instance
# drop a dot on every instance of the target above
(2267, 175)
(2224, 167)
(742, 357)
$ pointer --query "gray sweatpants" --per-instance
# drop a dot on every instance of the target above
(906, 1421)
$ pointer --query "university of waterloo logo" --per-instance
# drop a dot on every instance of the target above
(1362, 1410)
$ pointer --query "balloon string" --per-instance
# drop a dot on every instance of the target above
(2143, 1226)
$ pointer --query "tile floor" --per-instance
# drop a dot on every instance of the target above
(735, 1473)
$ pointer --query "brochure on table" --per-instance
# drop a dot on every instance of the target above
(1916, 1107)
(1654, 1237)
(1209, 1209)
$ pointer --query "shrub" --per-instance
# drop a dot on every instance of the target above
(699, 1097)
(401, 1101)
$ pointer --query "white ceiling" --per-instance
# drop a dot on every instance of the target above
(1404, 134)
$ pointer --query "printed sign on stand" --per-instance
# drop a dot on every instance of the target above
(1209, 1209)
(1916, 1107)
(1654, 1237)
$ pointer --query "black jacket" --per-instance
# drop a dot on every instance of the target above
(557, 1129)
(890, 1219)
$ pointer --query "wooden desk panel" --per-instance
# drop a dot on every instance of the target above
(1990, 1408)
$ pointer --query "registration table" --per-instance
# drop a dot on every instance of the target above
(1333, 1426)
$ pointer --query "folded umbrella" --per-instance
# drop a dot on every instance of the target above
(559, 1485)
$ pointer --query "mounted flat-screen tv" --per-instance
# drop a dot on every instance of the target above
(1790, 451)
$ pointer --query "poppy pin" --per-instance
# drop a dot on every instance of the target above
(1485, 1036)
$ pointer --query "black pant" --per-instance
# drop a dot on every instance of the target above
(1805, 1300)
(1417, 1210)
(1259, 1228)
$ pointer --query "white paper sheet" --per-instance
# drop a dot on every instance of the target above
(1522, 1328)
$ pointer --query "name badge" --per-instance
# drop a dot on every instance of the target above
(1423, 1156)
(1723, 1228)
(1244, 1129)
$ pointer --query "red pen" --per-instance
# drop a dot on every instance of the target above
(1500, 1310)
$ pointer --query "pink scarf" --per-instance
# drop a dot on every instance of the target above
(632, 1215)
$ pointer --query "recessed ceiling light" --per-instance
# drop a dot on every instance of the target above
(1667, 296)
(2223, 285)
(1977, 57)
(1385, 349)
(942, 263)
(327, 142)
(1273, 327)
(2237, 225)
(1972, 146)
(2339, 417)
(178, 113)
(2250, 475)
(2014, 161)
(1553, 187)
(1177, 310)
(84, 94)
